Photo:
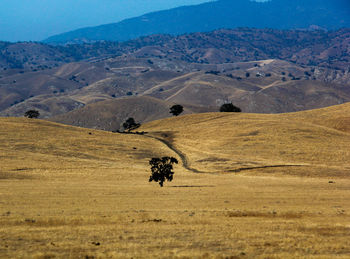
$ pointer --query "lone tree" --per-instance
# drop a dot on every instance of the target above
(176, 109)
(130, 124)
(229, 107)
(162, 169)
(32, 114)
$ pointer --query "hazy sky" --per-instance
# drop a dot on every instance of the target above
(24, 20)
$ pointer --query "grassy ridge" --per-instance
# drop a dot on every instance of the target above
(70, 194)
(232, 142)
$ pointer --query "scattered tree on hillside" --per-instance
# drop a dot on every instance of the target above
(162, 169)
(176, 109)
(130, 124)
(32, 114)
(229, 107)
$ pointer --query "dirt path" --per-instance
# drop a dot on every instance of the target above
(182, 156)
(185, 162)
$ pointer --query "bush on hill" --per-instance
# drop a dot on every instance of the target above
(229, 107)
(176, 109)
(32, 114)
(130, 124)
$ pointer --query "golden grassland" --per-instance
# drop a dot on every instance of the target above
(247, 186)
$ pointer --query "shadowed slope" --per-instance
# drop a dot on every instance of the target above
(258, 94)
(111, 114)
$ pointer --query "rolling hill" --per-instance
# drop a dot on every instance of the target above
(247, 185)
(205, 91)
(267, 89)
(265, 86)
(261, 70)
(234, 142)
(220, 142)
(309, 48)
(278, 14)
(111, 114)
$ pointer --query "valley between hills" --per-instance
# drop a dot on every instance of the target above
(247, 185)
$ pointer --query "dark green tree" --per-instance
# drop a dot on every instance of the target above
(32, 114)
(130, 124)
(176, 109)
(162, 169)
(229, 107)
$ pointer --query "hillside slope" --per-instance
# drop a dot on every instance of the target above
(111, 114)
(307, 143)
(278, 14)
(241, 188)
(264, 86)
(212, 142)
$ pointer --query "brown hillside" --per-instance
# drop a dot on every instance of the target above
(232, 142)
(336, 117)
(240, 190)
(263, 91)
(105, 70)
(257, 93)
(18, 88)
(73, 85)
(111, 114)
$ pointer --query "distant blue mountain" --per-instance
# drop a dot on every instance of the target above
(277, 14)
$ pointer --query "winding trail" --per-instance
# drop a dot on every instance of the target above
(186, 165)
(182, 156)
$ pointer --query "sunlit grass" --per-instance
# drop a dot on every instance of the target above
(70, 194)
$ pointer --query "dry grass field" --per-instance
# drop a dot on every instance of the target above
(247, 186)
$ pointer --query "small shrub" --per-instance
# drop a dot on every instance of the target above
(213, 72)
(162, 169)
(32, 114)
(176, 109)
(130, 124)
(229, 107)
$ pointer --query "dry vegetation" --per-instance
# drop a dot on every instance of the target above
(267, 186)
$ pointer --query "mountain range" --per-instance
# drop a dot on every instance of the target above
(278, 14)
